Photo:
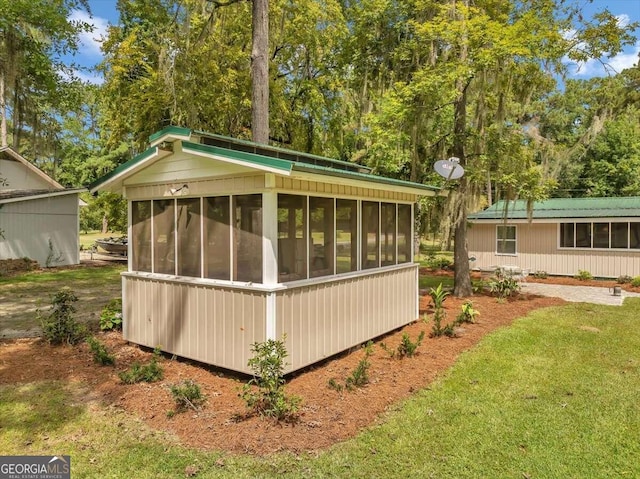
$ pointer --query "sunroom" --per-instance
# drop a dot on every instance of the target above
(232, 243)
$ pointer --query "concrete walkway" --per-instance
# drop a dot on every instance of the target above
(578, 294)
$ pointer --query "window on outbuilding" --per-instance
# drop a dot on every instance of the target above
(321, 229)
(506, 239)
(405, 241)
(346, 236)
(247, 238)
(370, 235)
(141, 235)
(292, 234)
(217, 238)
(388, 233)
(164, 253)
(188, 233)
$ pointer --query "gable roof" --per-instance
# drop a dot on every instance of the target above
(251, 155)
(556, 208)
(9, 153)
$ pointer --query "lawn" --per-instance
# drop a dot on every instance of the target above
(553, 395)
(22, 295)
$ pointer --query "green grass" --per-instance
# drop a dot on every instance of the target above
(88, 239)
(542, 399)
(426, 282)
(21, 295)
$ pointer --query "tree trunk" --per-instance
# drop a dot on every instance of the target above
(3, 113)
(461, 276)
(260, 72)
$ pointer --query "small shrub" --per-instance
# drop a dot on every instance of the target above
(504, 287)
(635, 282)
(187, 395)
(407, 348)
(267, 365)
(583, 275)
(360, 375)
(335, 385)
(100, 353)
(468, 314)
(111, 315)
(59, 326)
(148, 373)
(624, 279)
(540, 274)
(437, 329)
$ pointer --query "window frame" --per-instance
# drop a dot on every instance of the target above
(592, 225)
(507, 240)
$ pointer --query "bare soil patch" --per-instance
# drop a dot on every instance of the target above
(326, 416)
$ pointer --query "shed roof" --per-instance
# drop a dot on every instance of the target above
(252, 155)
(12, 196)
(556, 208)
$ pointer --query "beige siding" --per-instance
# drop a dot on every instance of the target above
(45, 230)
(537, 250)
(20, 177)
(333, 189)
(220, 186)
(211, 324)
(323, 319)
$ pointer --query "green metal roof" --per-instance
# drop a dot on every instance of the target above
(261, 157)
(563, 208)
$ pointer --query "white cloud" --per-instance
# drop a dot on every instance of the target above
(91, 41)
(607, 66)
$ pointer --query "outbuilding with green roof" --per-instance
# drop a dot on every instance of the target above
(233, 243)
(559, 236)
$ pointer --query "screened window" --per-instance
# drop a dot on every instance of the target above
(164, 253)
(388, 233)
(583, 235)
(292, 233)
(370, 234)
(321, 227)
(567, 232)
(620, 235)
(634, 235)
(346, 235)
(247, 238)
(601, 235)
(188, 234)
(217, 238)
(405, 241)
(614, 235)
(506, 239)
(141, 235)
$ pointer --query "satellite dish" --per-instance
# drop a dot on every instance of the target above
(449, 169)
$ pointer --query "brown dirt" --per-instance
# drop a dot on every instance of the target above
(325, 417)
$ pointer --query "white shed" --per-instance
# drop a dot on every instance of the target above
(38, 216)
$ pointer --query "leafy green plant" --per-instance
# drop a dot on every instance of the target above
(111, 315)
(624, 279)
(504, 286)
(583, 275)
(468, 314)
(149, 373)
(360, 375)
(540, 274)
(59, 326)
(438, 296)
(407, 348)
(268, 365)
(100, 353)
(335, 385)
(187, 395)
(635, 282)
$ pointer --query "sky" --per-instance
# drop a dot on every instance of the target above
(104, 12)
